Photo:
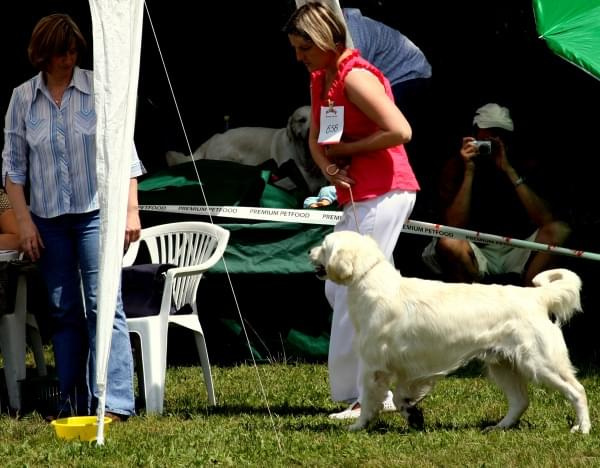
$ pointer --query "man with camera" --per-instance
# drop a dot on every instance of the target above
(485, 191)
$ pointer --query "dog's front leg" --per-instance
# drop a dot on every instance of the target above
(406, 397)
(374, 391)
(413, 414)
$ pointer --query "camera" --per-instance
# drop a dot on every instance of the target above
(483, 146)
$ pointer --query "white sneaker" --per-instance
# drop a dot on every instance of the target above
(388, 403)
(352, 412)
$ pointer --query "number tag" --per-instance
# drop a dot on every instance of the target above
(332, 124)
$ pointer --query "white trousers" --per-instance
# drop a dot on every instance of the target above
(382, 218)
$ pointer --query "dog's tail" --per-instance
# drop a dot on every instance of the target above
(174, 158)
(561, 292)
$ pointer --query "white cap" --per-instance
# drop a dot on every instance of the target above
(493, 116)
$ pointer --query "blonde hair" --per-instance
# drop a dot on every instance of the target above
(53, 35)
(319, 24)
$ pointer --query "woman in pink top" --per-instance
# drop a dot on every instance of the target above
(356, 138)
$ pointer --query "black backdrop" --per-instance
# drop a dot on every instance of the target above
(231, 58)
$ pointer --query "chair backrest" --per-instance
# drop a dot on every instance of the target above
(193, 246)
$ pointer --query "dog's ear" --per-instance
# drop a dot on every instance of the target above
(339, 266)
(288, 128)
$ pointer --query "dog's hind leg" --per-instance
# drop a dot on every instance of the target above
(565, 382)
(375, 386)
(514, 386)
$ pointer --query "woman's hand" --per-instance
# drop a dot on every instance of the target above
(30, 240)
(338, 176)
(133, 226)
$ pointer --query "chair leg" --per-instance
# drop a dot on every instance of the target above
(154, 363)
(13, 351)
(13, 344)
(138, 366)
(203, 352)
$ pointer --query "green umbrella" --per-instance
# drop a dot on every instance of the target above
(571, 29)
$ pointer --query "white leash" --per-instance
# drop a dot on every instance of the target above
(337, 170)
(354, 210)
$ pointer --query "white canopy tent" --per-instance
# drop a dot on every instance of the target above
(117, 32)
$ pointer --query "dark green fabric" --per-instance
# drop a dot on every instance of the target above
(224, 184)
(307, 345)
(263, 247)
(274, 197)
(270, 247)
(162, 180)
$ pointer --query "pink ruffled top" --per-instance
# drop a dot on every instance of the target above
(376, 172)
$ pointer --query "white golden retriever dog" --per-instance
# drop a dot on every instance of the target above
(410, 332)
(255, 145)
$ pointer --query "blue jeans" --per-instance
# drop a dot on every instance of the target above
(69, 260)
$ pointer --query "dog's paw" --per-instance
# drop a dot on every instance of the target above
(489, 429)
(174, 158)
(493, 428)
(357, 426)
(583, 428)
(415, 418)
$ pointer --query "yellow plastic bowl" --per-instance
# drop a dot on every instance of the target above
(79, 427)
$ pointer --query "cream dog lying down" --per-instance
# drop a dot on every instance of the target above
(253, 146)
(411, 332)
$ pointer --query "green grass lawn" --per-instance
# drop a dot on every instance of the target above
(287, 425)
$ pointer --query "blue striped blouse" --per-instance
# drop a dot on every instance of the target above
(57, 143)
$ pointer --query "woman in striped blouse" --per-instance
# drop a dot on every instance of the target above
(50, 135)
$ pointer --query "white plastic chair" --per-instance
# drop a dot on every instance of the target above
(13, 342)
(194, 247)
